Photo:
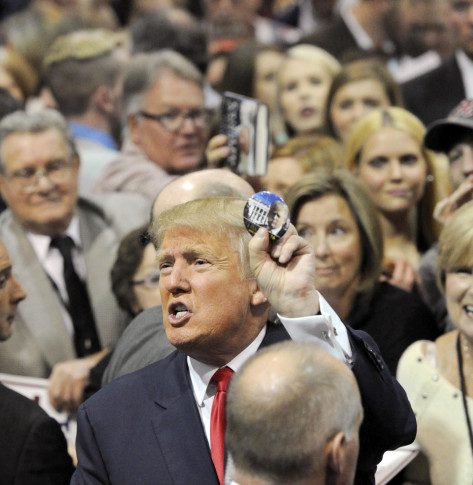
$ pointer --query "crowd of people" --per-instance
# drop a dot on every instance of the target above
(129, 282)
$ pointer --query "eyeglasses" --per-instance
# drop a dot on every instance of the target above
(173, 120)
(461, 6)
(150, 281)
(26, 179)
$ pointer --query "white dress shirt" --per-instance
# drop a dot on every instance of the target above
(53, 263)
(326, 328)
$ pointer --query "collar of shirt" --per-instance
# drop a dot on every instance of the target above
(327, 329)
(360, 35)
(80, 130)
(466, 68)
(201, 374)
(41, 244)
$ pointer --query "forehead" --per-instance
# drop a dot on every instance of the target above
(334, 207)
(171, 90)
(181, 239)
(388, 139)
(5, 261)
(361, 87)
(295, 68)
(28, 148)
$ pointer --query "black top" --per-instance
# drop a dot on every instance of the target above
(394, 318)
(33, 447)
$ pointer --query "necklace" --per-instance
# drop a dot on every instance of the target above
(463, 389)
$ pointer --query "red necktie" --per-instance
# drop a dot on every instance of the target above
(217, 420)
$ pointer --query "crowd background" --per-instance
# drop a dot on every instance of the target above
(353, 88)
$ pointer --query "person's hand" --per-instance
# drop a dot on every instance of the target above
(285, 272)
(446, 207)
(217, 149)
(68, 380)
(400, 273)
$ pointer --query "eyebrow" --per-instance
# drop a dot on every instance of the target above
(187, 251)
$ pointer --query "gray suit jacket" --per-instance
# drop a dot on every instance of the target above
(40, 338)
(143, 342)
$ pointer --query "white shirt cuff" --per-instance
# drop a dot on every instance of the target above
(326, 329)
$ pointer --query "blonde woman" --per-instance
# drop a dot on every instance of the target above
(304, 80)
(402, 178)
(438, 376)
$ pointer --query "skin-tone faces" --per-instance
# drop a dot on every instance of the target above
(304, 88)
(11, 293)
(459, 298)
(8, 82)
(393, 170)
(146, 296)
(352, 101)
(282, 173)
(329, 226)
(460, 158)
(266, 69)
(176, 152)
(48, 207)
(208, 308)
(461, 16)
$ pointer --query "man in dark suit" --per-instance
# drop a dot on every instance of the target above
(217, 286)
(433, 95)
(34, 450)
(71, 317)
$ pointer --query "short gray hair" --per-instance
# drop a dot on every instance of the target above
(37, 122)
(144, 70)
(279, 419)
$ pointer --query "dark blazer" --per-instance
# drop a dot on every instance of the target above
(33, 447)
(434, 94)
(336, 38)
(145, 427)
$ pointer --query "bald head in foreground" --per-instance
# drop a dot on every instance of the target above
(293, 414)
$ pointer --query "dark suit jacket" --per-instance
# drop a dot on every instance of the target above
(434, 94)
(336, 38)
(145, 427)
(33, 447)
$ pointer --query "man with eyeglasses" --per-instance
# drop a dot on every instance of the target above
(433, 95)
(166, 125)
(63, 248)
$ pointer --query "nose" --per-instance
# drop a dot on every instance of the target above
(395, 170)
(187, 126)
(17, 291)
(321, 246)
(467, 163)
(358, 111)
(176, 281)
(44, 183)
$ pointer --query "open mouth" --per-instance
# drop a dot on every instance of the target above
(178, 312)
(468, 309)
(307, 112)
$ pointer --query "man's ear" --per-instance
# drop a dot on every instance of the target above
(132, 121)
(257, 296)
(334, 451)
(104, 99)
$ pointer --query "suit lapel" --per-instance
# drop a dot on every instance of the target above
(178, 427)
(99, 244)
(47, 325)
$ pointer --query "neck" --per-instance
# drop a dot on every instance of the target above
(341, 301)
(399, 224)
(94, 120)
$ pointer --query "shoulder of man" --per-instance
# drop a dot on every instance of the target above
(121, 210)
